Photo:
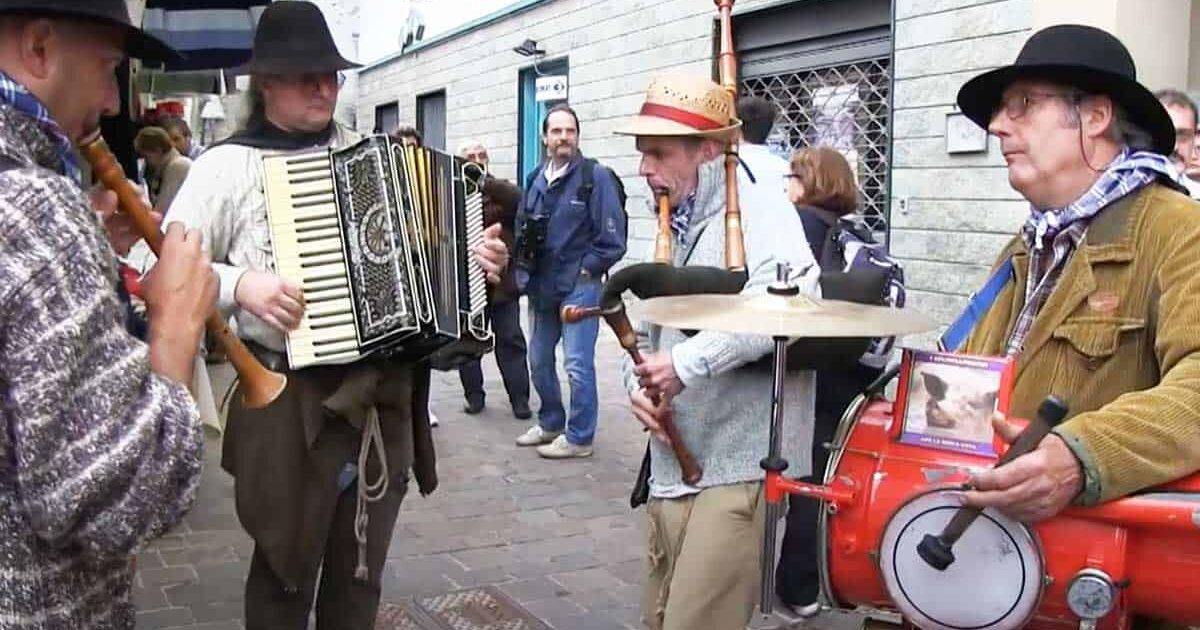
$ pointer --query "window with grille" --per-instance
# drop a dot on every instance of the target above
(844, 106)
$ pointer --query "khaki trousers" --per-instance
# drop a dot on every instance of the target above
(703, 559)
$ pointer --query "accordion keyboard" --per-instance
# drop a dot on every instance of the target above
(308, 250)
(476, 280)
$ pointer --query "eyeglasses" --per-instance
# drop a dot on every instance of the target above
(1016, 105)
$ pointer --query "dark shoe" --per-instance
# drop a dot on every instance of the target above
(473, 407)
(522, 411)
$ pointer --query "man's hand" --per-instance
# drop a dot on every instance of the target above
(277, 301)
(647, 413)
(1032, 487)
(180, 291)
(492, 255)
(122, 232)
(657, 374)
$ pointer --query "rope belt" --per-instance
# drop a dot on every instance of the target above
(368, 492)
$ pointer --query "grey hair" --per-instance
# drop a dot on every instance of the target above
(1122, 131)
(467, 145)
(1126, 132)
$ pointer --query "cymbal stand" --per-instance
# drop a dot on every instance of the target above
(774, 464)
(777, 487)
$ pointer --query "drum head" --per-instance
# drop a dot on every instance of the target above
(995, 581)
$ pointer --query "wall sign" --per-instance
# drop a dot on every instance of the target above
(964, 136)
(552, 88)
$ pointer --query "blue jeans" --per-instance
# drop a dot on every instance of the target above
(579, 350)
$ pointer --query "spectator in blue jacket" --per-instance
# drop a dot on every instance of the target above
(570, 230)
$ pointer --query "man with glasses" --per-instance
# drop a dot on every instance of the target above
(1182, 111)
(1101, 289)
(301, 486)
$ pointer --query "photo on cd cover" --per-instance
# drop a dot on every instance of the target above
(946, 400)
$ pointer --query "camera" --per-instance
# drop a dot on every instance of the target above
(533, 238)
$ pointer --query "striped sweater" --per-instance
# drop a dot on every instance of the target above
(98, 454)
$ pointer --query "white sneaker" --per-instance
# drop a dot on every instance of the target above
(535, 436)
(433, 419)
(560, 448)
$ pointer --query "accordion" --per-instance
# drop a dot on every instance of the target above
(379, 237)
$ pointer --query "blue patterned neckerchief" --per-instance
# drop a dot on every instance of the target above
(681, 217)
(19, 98)
(1052, 235)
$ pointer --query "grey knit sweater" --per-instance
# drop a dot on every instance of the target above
(97, 454)
(724, 412)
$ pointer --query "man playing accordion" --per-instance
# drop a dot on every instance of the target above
(301, 465)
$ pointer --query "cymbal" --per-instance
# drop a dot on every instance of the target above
(779, 316)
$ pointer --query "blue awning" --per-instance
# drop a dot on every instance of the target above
(212, 34)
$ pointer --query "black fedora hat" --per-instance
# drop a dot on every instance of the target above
(293, 38)
(138, 43)
(1080, 56)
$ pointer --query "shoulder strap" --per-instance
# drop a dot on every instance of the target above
(587, 172)
(533, 176)
(977, 307)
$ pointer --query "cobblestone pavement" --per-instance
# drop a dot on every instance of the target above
(557, 537)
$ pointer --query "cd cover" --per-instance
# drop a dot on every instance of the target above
(946, 400)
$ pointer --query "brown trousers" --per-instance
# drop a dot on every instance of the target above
(703, 559)
(342, 602)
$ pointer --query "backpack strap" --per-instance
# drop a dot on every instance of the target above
(588, 175)
(533, 176)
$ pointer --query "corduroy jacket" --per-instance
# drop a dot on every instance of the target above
(1119, 341)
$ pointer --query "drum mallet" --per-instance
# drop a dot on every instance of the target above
(936, 550)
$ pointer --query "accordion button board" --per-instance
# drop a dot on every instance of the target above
(379, 236)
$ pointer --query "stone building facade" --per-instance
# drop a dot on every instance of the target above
(877, 78)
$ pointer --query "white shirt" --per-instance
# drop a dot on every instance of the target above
(223, 198)
(553, 173)
(766, 167)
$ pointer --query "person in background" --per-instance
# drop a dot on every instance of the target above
(500, 200)
(181, 137)
(408, 136)
(165, 167)
(1182, 110)
(570, 231)
(758, 117)
(821, 186)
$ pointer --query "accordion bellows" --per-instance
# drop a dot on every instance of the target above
(379, 237)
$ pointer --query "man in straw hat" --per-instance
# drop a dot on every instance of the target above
(101, 444)
(319, 477)
(1099, 295)
(704, 548)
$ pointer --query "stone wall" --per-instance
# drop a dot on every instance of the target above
(951, 214)
(613, 49)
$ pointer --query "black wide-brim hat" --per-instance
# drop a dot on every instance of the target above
(138, 43)
(1084, 57)
(293, 38)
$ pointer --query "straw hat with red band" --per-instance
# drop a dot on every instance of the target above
(684, 106)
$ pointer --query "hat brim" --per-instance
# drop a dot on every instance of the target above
(654, 126)
(295, 65)
(138, 43)
(980, 96)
